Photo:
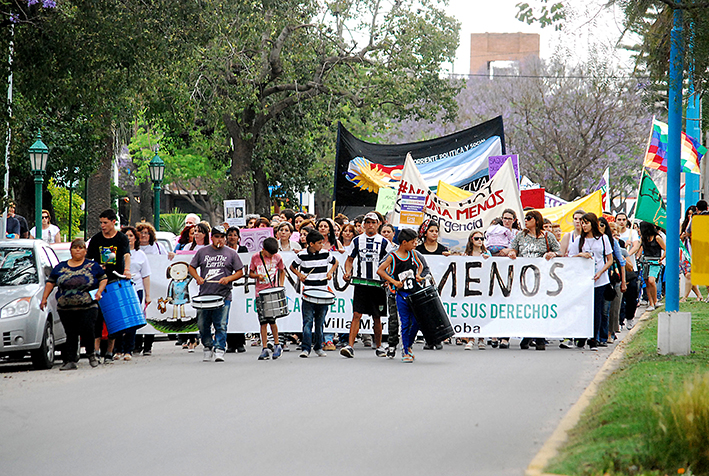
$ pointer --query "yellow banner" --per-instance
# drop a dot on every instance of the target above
(451, 193)
(564, 215)
(700, 250)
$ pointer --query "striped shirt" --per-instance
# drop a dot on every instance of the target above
(315, 266)
(368, 252)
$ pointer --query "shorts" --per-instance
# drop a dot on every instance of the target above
(259, 311)
(495, 249)
(653, 270)
(371, 300)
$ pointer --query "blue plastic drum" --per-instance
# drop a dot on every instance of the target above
(120, 307)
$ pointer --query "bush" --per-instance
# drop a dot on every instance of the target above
(682, 436)
(173, 222)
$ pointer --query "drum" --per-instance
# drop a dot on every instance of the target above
(120, 307)
(366, 282)
(319, 296)
(273, 303)
(431, 315)
(207, 301)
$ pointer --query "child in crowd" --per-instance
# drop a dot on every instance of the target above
(267, 269)
(311, 267)
(402, 270)
(498, 237)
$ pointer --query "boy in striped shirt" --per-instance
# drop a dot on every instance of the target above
(311, 267)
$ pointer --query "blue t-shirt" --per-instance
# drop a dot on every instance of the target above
(74, 283)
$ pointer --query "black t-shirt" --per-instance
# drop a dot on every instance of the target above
(24, 227)
(439, 249)
(109, 252)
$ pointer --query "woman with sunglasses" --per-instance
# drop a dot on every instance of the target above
(534, 242)
(476, 247)
(50, 233)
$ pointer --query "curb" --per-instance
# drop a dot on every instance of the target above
(560, 435)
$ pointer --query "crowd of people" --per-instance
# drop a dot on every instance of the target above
(383, 264)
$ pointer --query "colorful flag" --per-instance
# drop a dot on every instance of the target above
(603, 187)
(656, 155)
(650, 207)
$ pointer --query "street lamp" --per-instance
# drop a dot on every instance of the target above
(157, 170)
(38, 161)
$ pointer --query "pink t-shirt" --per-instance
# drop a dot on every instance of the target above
(273, 265)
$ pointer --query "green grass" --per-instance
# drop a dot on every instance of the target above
(619, 432)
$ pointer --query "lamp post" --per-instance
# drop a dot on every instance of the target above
(157, 171)
(38, 161)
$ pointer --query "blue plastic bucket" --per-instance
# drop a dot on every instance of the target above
(120, 307)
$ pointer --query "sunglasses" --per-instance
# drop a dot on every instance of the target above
(45, 216)
(477, 238)
(528, 217)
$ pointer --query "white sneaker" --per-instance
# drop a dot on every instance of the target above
(304, 354)
(208, 354)
(629, 324)
(219, 355)
(469, 345)
(321, 353)
(381, 351)
(650, 308)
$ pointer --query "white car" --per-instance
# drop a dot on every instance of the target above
(166, 238)
(25, 328)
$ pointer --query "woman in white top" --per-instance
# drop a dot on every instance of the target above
(50, 233)
(149, 243)
(140, 276)
(283, 233)
(200, 238)
(592, 244)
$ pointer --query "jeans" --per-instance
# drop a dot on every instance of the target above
(409, 326)
(598, 303)
(313, 313)
(78, 323)
(219, 318)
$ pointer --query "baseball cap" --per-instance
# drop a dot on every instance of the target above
(371, 216)
(218, 230)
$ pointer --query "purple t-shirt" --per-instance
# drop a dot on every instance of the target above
(213, 265)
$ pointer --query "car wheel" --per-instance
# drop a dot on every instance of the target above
(43, 358)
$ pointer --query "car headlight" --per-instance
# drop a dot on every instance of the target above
(18, 307)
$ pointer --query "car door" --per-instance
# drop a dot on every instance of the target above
(47, 257)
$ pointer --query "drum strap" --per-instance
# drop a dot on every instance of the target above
(265, 268)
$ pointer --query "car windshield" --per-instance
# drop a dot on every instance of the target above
(17, 267)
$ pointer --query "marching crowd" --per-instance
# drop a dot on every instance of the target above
(384, 266)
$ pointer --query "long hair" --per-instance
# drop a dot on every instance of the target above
(204, 229)
(595, 231)
(185, 235)
(425, 226)
(538, 223)
(608, 232)
(331, 238)
(136, 243)
(687, 218)
(647, 231)
(469, 246)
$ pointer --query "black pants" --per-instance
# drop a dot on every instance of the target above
(78, 323)
(631, 299)
(393, 325)
(144, 342)
(235, 340)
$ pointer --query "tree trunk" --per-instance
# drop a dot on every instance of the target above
(99, 193)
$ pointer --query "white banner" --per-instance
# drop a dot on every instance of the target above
(495, 297)
(458, 219)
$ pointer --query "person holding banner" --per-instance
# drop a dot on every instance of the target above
(534, 242)
(476, 247)
(402, 269)
(593, 244)
(569, 238)
(218, 267)
(368, 250)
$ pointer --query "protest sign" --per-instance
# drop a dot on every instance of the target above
(386, 200)
(495, 163)
(412, 210)
(252, 238)
(458, 219)
(235, 212)
(495, 297)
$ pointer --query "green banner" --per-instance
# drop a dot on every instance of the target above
(650, 206)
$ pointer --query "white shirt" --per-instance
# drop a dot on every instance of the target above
(139, 268)
(630, 236)
(154, 249)
(49, 235)
(596, 247)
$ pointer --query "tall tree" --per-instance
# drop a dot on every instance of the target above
(269, 59)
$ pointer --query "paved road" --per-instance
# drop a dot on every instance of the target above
(451, 412)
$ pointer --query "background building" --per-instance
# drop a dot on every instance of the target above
(492, 51)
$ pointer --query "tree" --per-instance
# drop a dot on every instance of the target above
(269, 59)
(566, 123)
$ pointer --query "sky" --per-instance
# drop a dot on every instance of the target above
(590, 23)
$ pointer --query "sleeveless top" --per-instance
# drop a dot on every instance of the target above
(652, 249)
(405, 270)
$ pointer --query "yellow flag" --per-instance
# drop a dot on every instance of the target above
(451, 193)
(700, 249)
(564, 215)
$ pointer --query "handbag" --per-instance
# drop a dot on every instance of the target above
(614, 270)
(609, 293)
